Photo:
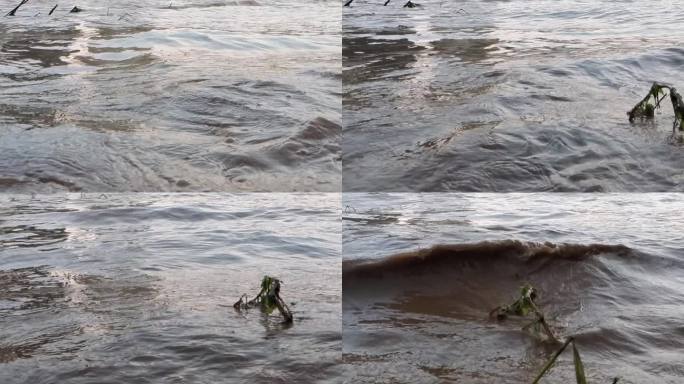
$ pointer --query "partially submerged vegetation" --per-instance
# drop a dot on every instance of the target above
(526, 305)
(267, 300)
(646, 108)
(577, 361)
(579, 367)
(523, 306)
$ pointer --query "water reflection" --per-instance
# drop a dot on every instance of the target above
(87, 306)
(377, 58)
(31, 236)
(46, 48)
(468, 50)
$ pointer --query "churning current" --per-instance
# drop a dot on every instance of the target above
(509, 95)
(140, 288)
(182, 95)
(422, 272)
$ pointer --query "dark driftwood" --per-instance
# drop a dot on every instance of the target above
(14, 11)
(348, 3)
(75, 10)
(53, 9)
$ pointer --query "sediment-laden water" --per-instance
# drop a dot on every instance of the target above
(422, 272)
(509, 96)
(139, 288)
(170, 96)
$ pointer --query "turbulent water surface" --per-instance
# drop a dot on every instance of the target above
(153, 95)
(509, 95)
(421, 273)
(139, 288)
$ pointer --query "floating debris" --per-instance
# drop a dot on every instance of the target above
(75, 10)
(53, 9)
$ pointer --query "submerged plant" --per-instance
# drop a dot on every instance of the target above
(520, 307)
(523, 306)
(577, 361)
(647, 106)
(268, 299)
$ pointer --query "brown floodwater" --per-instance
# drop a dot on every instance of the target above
(422, 272)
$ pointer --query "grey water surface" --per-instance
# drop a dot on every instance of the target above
(184, 95)
(505, 96)
(139, 288)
